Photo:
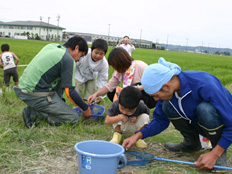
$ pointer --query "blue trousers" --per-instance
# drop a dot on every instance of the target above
(209, 118)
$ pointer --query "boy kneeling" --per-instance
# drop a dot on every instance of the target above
(129, 114)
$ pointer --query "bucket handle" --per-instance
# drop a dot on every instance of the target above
(124, 161)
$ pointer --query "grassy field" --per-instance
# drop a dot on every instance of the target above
(47, 149)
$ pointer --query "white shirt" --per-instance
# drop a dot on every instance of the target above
(127, 47)
(87, 69)
(8, 60)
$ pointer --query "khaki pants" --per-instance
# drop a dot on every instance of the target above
(89, 88)
(129, 128)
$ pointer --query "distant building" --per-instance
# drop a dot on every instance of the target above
(45, 31)
(112, 40)
(31, 29)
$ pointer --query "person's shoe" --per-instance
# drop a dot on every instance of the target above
(183, 147)
(117, 138)
(141, 144)
(27, 119)
(220, 162)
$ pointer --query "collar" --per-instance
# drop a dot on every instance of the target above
(184, 85)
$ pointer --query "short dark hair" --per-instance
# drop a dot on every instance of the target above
(126, 36)
(100, 44)
(77, 40)
(119, 59)
(5, 47)
(130, 97)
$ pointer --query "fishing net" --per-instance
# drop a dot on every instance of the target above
(136, 158)
(96, 111)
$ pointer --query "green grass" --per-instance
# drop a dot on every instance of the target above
(48, 149)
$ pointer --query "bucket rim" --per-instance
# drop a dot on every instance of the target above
(99, 155)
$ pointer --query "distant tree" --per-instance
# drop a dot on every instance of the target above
(153, 46)
(217, 52)
(28, 35)
(162, 48)
(32, 36)
(37, 36)
(24, 33)
(227, 53)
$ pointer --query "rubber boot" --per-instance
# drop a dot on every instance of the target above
(214, 137)
(191, 141)
(117, 138)
(141, 144)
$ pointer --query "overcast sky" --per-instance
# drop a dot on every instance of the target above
(182, 22)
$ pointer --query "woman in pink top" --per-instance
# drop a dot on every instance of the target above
(126, 70)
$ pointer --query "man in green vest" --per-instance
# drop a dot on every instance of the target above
(42, 84)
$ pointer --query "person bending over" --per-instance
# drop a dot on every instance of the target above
(51, 73)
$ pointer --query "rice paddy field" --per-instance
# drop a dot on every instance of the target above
(47, 149)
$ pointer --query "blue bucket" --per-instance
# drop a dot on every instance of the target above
(99, 157)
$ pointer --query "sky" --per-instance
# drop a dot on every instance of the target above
(180, 22)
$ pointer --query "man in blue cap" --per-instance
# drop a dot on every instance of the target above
(196, 103)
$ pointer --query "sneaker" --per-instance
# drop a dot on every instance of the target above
(141, 144)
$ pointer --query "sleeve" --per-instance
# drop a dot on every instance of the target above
(132, 48)
(67, 73)
(112, 84)
(75, 98)
(159, 123)
(103, 75)
(112, 110)
(140, 67)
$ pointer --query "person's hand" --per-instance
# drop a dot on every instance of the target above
(124, 118)
(87, 113)
(206, 161)
(91, 98)
(129, 142)
(133, 120)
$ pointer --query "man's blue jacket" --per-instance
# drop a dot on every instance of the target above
(196, 87)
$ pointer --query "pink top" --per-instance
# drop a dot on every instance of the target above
(140, 66)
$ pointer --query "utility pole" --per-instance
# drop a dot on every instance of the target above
(109, 33)
(47, 28)
(167, 43)
(140, 38)
(202, 47)
(58, 19)
(208, 48)
(40, 26)
(186, 45)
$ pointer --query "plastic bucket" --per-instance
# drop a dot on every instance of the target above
(99, 157)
